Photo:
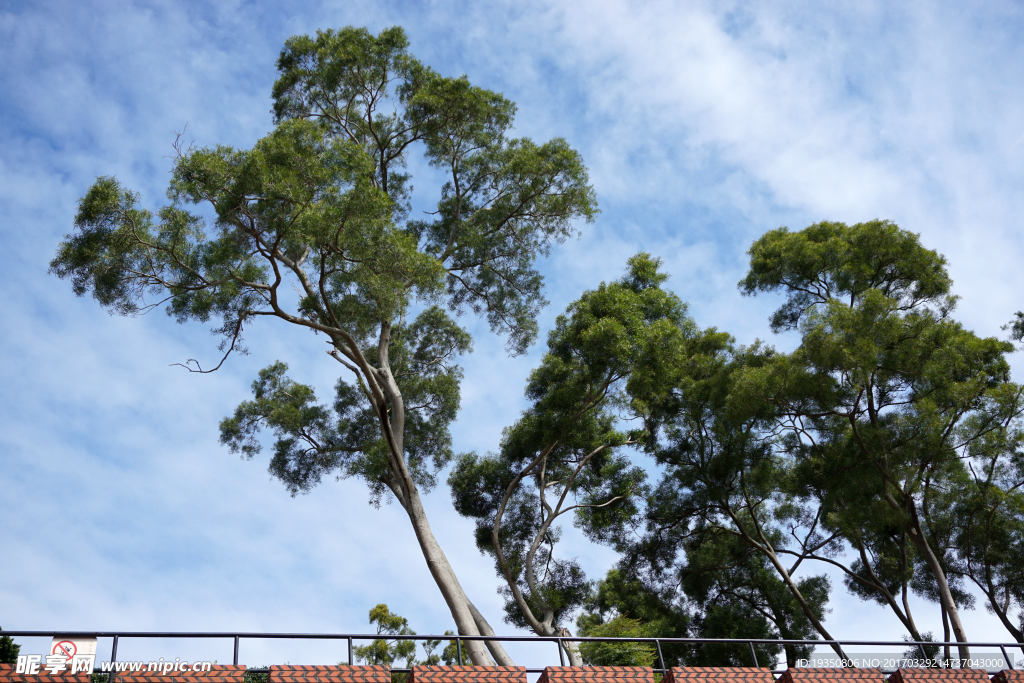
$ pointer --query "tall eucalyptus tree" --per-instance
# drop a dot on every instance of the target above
(887, 399)
(312, 228)
(564, 454)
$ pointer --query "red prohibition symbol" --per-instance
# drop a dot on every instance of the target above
(66, 648)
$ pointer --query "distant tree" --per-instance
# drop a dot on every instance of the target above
(388, 652)
(725, 524)
(888, 403)
(622, 604)
(8, 650)
(312, 228)
(383, 651)
(617, 654)
(562, 456)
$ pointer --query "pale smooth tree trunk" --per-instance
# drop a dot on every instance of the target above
(467, 617)
(945, 594)
(391, 413)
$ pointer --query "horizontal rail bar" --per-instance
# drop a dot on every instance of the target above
(657, 642)
(582, 639)
(528, 669)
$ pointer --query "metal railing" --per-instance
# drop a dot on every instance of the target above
(559, 641)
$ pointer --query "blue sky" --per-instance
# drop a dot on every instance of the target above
(704, 124)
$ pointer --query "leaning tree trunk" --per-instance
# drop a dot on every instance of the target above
(467, 617)
(493, 645)
(572, 649)
(766, 549)
(945, 594)
(799, 596)
(391, 413)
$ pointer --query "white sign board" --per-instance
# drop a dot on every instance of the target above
(78, 654)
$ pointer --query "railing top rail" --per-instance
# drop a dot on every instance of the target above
(525, 638)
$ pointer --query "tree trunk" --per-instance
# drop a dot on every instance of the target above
(463, 611)
(945, 634)
(468, 619)
(572, 648)
(795, 590)
(780, 623)
(769, 552)
(945, 595)
(1000, 612)
(904, 615)
(497, 651)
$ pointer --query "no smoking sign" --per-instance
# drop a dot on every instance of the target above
(70, 647)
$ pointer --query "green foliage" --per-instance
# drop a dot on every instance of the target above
(311, 226)
(1016, 326)
(660, 609)
(855, 450)
(8, 650)
(449, 655)
(715, 521)
(386, 652)
(985, 518)
(918, 652)
(889, 408)
(741, 595)
(320, 206)
(507, 199)
(314, 440)
(833, 262)
(888, 444)
(608, 344)
(617, 654)
(623, 606)
(394, 652)
(620, 594)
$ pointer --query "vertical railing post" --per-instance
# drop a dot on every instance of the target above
(1006, 657)
(113, 658)
(753, 653)
(235, 658)
(350, 650)
(458, 649)
(561, 655)
(661, 657)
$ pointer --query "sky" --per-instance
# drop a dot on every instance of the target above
(703, 125)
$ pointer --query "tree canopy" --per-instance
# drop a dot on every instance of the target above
(321, 207)
(888, 402)
(9, 650)
(887, 445)
(561, 456)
